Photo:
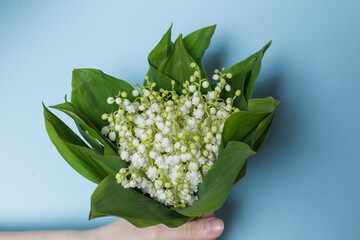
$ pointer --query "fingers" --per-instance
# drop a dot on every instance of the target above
(201, 229)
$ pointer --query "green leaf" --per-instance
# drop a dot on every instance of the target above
(177, 65)
(111, 199)
(241, 126)
(262, 133)
(90, 90)
(86, 127)
(92, 141)
(244, 76)
(249, 84)
(66, 142)
(162, 50)
(256, 137)
(217, 183)
(267, 104)
(110, 163)
(242, 172)
(163, 81)
(196, 44)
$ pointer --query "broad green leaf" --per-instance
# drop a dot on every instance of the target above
(249, 84)
(261, 139)
(110, 163)
(255, 139)
(240, 126)
(111, 199)
(197, 42)
(242, 172)
(267, 104)
(245, 74)
(163, 81)
(92, 141)
(162, 50)
(66, 142)
(90, 90)
(159, 54)
(217, 183)
(258, 135)
(86, 127)
(177, 65)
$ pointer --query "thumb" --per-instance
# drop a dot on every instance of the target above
(201, 229)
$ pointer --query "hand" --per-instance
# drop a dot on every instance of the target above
(206, 228)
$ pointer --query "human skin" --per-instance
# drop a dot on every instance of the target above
(206, 228)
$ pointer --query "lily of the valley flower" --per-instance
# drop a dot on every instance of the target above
(170, 141)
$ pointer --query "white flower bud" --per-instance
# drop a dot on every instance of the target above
(146, 93)
(118, 101)
(152, 154)
(195, 101)
(228, 88)
(215, 77)
(144, 137)
(141, 107)
(112, 136)
(110, 100)
(104, 116)
(135, 142)
(198, 113)
(165, 142)
(135, 93)
(126, 102)
(192, 88)
(166, 130)
(158, 137)
(105, 130)
(210, 95)
(183, 148)
(214, 129)
(141, 148)
(205, 84)
(193, 166)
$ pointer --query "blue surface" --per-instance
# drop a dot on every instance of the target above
(303, 183)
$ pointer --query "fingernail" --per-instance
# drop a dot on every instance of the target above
(214, 226)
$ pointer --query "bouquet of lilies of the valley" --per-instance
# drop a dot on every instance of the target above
(168, 151)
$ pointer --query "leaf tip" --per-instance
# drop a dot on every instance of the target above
(91, 216)
(267, 46)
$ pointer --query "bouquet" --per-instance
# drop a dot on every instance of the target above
(168, 151)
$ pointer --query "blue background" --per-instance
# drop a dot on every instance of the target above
(303, 183)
